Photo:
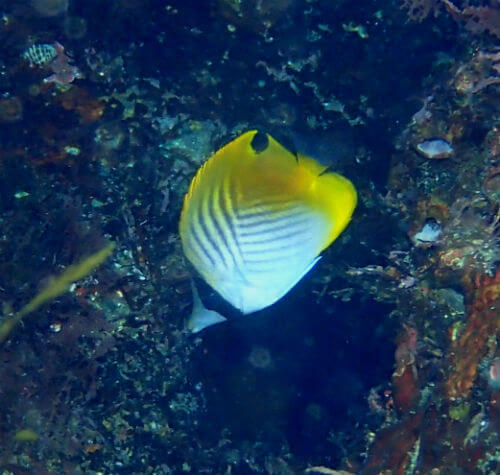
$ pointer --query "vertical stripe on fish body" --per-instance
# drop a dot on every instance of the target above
(256, 217)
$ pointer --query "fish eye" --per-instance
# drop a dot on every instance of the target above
(260, 142)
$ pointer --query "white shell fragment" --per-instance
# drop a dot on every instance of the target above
(435, 148)
(429, 234)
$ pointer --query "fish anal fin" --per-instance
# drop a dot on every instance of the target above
(201, 317)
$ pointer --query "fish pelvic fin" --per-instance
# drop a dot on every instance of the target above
(201, 317)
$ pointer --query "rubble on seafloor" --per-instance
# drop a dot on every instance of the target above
(384, 360)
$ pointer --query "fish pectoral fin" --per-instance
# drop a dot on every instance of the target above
(201, 317)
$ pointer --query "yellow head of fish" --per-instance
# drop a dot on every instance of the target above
(256, 217)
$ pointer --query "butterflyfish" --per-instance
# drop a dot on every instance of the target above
(256, 218)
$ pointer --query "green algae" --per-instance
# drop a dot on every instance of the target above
(57, 287)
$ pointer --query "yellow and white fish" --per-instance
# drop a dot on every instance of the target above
(255, 219)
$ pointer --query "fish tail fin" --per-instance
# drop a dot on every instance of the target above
(201, 317)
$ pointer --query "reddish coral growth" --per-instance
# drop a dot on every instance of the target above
(64, 71)
(427, 442)
(467, 350)
(430, 436)
(405, 388)
(404, 378)
(393, 447)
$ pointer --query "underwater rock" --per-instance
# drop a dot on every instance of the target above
(110, 136)
(75, 27)
(491, 185)
(255, 15)
(49, 8)
(11, 109)
(194, 139)
(451, 303)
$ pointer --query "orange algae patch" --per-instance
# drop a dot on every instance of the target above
(91, 448)
(79, 100)
(483, 327)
